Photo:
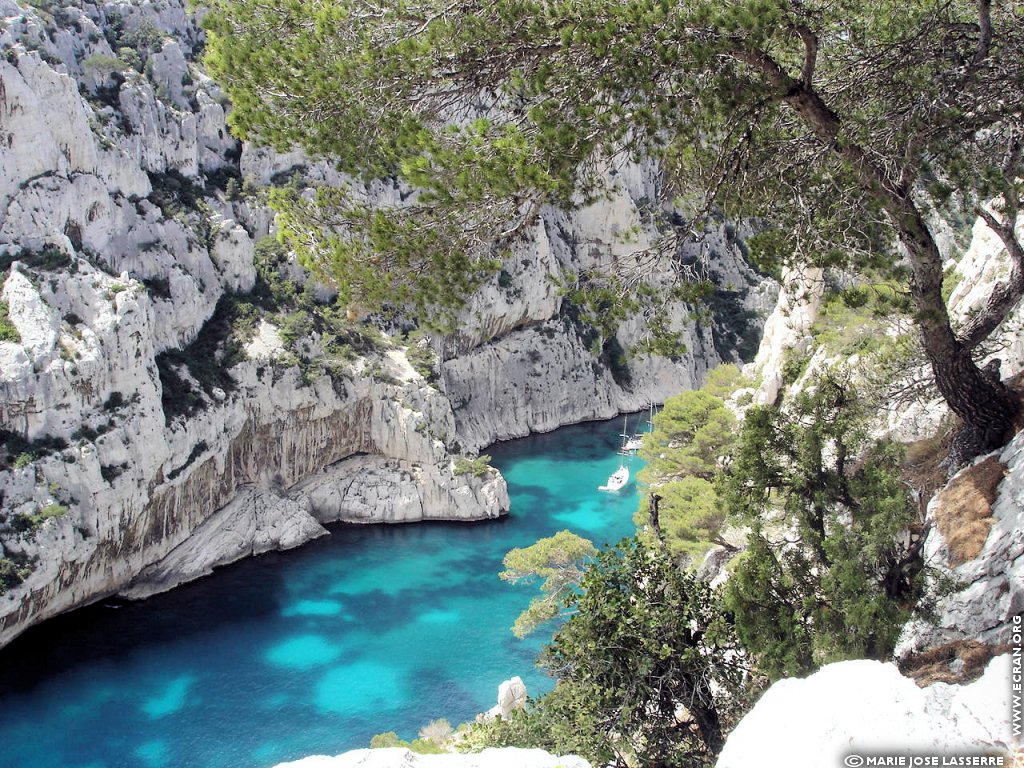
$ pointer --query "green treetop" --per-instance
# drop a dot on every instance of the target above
(826, 119)
(558, 562)
(692, 435)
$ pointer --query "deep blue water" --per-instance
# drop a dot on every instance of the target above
(312, 651)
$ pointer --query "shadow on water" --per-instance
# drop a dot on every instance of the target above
(314, 650)
(247, 591)
(114, 628)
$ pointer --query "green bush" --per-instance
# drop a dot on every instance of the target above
(843, 587)
(794, 365)
(105, 65)
(421, 356)
(8, 331)
(855, 320)
(23, 523)
(49, 258)
(421, 746)
(643, 637)
(387, 740)
(115, 401)
(690, 516)
(478, 467)
(15, 449)
(691, 432)
(14, 569)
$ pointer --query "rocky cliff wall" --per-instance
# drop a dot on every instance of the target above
(120, 238)
(526, 360)
(144, 445)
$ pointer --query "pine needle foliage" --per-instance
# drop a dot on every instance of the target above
(836, 123)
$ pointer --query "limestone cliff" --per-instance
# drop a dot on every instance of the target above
(120, 238)
(506, 757)
(145, 440)
(867, 708)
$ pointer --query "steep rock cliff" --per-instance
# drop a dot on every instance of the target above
(145, 444)
(121, 239)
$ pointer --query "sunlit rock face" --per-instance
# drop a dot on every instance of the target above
(868, 708)
(124, 226)
(988, 593)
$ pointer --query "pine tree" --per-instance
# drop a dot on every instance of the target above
(839, 123)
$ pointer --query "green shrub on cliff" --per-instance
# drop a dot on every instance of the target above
(478, 467)
(422, 746)
(8, 331)
(832, 571)
(14, 569)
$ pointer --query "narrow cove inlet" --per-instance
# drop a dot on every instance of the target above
(311, 651)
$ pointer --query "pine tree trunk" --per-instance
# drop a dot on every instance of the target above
(983, 402)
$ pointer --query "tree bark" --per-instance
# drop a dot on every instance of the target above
(708, 722)
(984, 403)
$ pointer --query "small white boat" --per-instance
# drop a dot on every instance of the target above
(616, 480)
(630, 443)
(633, 444)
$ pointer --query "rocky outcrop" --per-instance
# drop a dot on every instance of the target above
(787, 331)
(989, 589)
(868, 708)
(524, 360)
(507, 757)
(270, 456)
(512, 695)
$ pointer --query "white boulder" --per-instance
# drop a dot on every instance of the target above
(511, 696)
(860, 707)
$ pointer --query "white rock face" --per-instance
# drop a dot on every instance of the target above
(113, 201)
(787, 328)
(991, 589)
(507, 757)
(254, 521)
(866, 707)
(522, 364)
(512, 695)
(985, 263)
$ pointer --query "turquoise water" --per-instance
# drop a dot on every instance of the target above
(312, 651)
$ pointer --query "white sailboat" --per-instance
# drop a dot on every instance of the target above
(616, 479)
(633, 443)
(620, 476)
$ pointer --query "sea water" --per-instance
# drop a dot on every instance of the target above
(313, 651)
